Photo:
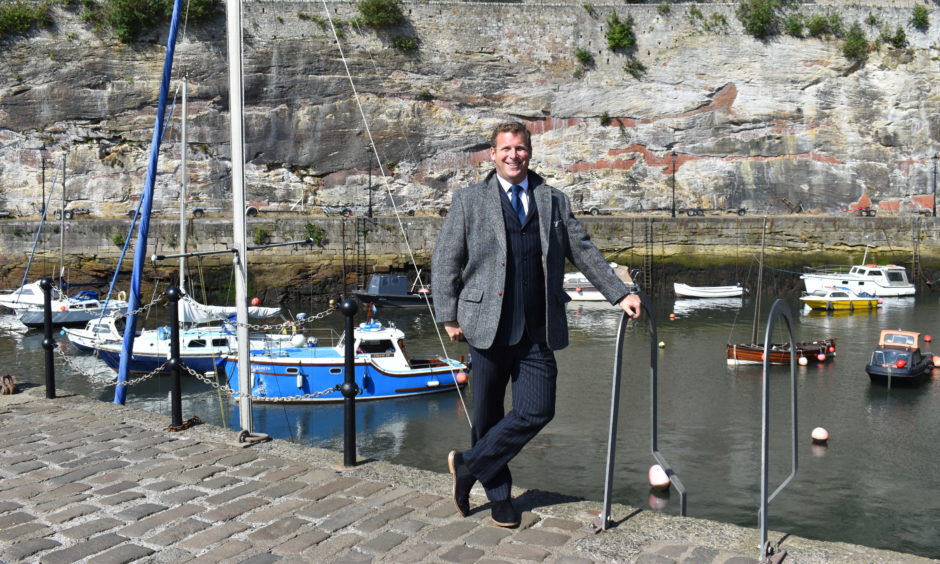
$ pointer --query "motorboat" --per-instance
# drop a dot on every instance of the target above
(899, 360)
(201, 348)
(26, 296)
(686, 291)
(75, 310)
(837, 298)
(880, 281)
(393, 290)
(579, 288)
(314, 373)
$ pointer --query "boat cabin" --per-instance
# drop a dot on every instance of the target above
(900, 339)
(889, 273)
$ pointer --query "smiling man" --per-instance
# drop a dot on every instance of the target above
(498, 267)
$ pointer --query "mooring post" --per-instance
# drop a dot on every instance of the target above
(47, 342)
(173, 293)
(349, 389)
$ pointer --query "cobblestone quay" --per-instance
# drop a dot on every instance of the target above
(87, 481)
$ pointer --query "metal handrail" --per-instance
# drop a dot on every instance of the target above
(778, 309)
(604, 520)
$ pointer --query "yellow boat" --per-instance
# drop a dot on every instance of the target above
(836, 298)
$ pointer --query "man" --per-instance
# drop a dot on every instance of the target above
(497, 282)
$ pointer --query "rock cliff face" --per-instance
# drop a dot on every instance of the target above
(718, 117)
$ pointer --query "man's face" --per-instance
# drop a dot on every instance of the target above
(511, 156)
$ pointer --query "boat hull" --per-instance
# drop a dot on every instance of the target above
(780, 353)
(852, 304)
(394, 300)
(685, 291)
(283, 379)
(36, 317)
(814, 282)
(899, 376)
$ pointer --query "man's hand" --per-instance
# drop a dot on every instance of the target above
(631, 305)
(455, 332)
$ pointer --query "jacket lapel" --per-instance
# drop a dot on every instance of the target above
(543, 201)
(493, 211)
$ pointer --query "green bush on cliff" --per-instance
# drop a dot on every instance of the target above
(856, 46)
(620, 33)
(131, 18)
(18, 17)
(920, 18)
(759, 17)
(380, 13)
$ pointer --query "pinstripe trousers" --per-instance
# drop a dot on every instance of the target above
(498, 436)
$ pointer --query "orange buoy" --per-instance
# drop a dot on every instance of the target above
(821, 357)
(658, 478)
(461, 378)
(820, 435)
(62, 308)
(672, 316)
(927, 338)
(256, 301)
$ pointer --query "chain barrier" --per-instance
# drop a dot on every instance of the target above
(294, 324)
(142, 309)
(63, 353)
(235, 395)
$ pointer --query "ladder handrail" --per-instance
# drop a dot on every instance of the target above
(603, 520)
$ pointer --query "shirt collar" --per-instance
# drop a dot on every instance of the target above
(507, 185)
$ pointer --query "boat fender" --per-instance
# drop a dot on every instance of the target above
(62, 308)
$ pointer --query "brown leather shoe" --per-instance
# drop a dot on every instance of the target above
(505, 514)
(463, 482)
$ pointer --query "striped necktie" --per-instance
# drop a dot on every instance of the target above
(517, 192)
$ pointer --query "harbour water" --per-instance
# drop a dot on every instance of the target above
(873, 484)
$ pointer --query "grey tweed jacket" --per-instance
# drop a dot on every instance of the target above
(469, 261)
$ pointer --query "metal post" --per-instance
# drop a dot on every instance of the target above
(47, 342)
(173, 294)
(349, 389)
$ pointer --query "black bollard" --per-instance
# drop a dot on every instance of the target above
(174, 294)
(47, 342)
(349, 389)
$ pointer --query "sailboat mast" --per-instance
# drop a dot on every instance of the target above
(760, 284)
(233, 18)
(62, 225)
(183, 178)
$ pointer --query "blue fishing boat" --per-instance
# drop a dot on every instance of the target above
(382, 369)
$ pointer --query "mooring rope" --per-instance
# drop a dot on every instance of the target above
(388, 190)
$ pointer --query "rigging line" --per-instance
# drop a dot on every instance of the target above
(388, 189)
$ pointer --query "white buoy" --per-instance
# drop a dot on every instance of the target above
(662, 344)
(658, 478)
(298, 340)
(803, 361)
(820, 435)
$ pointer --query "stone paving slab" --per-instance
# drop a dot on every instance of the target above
(87, 481)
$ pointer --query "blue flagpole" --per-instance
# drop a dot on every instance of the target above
(140, 252)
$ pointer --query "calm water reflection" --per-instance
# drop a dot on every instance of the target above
(874, 484)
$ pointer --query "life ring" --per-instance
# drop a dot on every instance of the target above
(122, 295)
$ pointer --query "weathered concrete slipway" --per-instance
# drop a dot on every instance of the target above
(696, 247)
(87, 481)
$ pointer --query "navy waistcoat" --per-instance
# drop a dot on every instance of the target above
(523, 309)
